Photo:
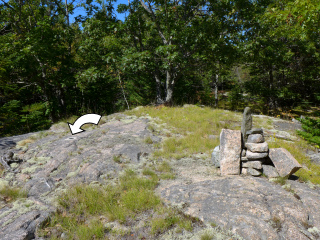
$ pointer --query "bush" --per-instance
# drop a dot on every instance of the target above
(312, 130)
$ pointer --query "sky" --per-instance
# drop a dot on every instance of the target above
(81, 11)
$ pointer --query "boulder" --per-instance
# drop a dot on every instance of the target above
(230, 150)
(243, 153)
(257, 147)
(244, 159)
(254, 172)
(270, 171)
(255, 131)
(284, 162)
(246, 124)
(244, 171)
(252, 164)
(215, 156)
(255, 155)
(255, 138)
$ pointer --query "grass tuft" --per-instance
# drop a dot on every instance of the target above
(25, 143)
(10, 194)
(166, 171)
(276, 223)
(1, 170)
(131, 196)
(117, 159)
(206, 236)
(148, 140)
(280, 180)
(169, 217)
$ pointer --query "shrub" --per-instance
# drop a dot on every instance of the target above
(312, 130)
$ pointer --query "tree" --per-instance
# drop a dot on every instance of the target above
(283, 53)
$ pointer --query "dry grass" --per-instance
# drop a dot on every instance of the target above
(81, 207)
(310, 171)
(10, 194)
(25, 143)
(191, 127)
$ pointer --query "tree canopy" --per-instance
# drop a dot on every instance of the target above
(220, 53)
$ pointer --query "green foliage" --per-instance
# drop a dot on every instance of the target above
(206, 236)
(16, 119)
(263, 54)
(182, 120)
(117, 159)
(281, 180)
(130, 197)
(235, 96)
(168, 218)
(312, 130)
(35, 118)
(9, 117)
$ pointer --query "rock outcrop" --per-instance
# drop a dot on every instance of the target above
(54, 161)
(252, 207)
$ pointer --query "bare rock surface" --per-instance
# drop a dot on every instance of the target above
(286, 125)
(9, 142)
(272, 133)
(252, 207)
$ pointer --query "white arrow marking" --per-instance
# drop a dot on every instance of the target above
(87, 118)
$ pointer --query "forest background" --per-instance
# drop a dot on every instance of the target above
(226, 54)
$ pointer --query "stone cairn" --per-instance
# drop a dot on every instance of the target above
(246, 152)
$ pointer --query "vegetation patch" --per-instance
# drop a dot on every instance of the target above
(10, 194)
(24, 143)
(276, 223)
(311, 130)
(131, 196)
(310, 171)
(168, 217)
(117, 159)
(1, 170)
(191, 127)
(86, 211)
(148, 140)
(280, 180)
(206, 236)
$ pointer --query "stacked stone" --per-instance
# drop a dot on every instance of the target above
(254, 153)
(247, 152)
